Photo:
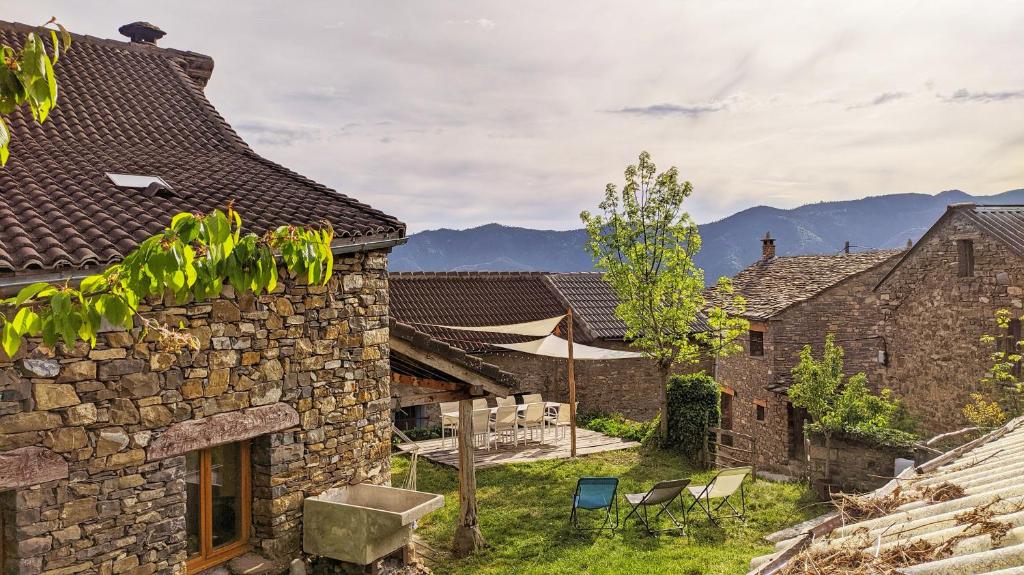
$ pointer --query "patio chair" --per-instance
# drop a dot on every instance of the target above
(502, 401)
(480, 403)
(506, 424)
(660, 496)
(532, 398)
(449, 420)
(723, 486)
(560, 419)
(593, 494)
(533, 418)
(482, 427)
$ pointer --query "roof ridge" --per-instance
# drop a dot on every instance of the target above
(465, 274)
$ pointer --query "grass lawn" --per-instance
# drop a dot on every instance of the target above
(524, 511)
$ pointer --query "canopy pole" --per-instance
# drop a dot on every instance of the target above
(572, 390)
(467, 532)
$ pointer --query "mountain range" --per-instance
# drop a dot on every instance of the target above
(729, 244)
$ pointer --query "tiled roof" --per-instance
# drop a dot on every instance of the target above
(137, 109)
(427, 343)
(773, 285)
(977, 528)
(473, 299)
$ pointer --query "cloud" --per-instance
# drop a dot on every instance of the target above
(482, 23)
(963, 95)
(664, 110)
(278, 133)
(883, 98)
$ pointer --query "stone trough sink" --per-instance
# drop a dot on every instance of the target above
(362, 523)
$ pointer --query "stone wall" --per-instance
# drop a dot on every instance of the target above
(934, 319)
(626, 386)
(854, 467)
(850, 310)
(117, 413)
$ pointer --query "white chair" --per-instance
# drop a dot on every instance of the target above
(533, 418)
(480, 404)
(560, 419)
(482, 428)
(503, 401)
(506, 424)
(532, 398)
(449, 420)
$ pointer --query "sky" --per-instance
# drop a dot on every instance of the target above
(458, 114)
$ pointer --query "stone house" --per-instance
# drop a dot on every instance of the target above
(793, 301)
(128, 459)
(426, 299)
(938, 301)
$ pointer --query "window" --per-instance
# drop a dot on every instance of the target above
(965, 257)
(411, 417)
(217, 506)
(795, 417)
(759, 411)
(756, 342)
(726, 407)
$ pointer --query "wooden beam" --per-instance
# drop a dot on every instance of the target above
(469, 376)
(27, 466)
(196, 434)
(429, 398)
(413, 381)
(467, 533)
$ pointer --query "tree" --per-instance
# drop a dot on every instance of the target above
(645, 243)
(192, 258)
(27, 77)
(1001, 400)
(838, 404)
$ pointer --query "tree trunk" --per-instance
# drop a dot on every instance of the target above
(467, 533)
(664, 371)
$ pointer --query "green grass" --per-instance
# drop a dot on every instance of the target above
(524, 510)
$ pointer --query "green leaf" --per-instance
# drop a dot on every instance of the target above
(27, 322)
(30, 291)
(11, 340)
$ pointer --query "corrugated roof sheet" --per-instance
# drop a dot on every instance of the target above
(776, 284)
(136, 109)
(979, 530)
(1006, 223)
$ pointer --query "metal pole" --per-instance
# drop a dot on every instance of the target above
(572, 390)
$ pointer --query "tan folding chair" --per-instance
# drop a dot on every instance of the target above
(723, 486)
(660, 496)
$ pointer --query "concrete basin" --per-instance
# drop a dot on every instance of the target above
(362, 523)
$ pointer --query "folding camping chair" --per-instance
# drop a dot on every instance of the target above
(595, 493)
(723, 486)
(660, 496)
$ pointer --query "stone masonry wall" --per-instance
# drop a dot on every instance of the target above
(626, 386)
(934, 320)
(851, 311)
(320, 350)
(854, 467)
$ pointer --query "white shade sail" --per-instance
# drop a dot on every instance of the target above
(554, 346)
(538, 327)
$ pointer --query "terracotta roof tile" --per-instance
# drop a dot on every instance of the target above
(135, 109)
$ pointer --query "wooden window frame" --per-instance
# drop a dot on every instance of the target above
(965, 257)
(208, 555)
(750, 342)
(761, 405)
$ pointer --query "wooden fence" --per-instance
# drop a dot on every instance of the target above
(730, 448)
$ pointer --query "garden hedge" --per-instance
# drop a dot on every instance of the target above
(693, 405)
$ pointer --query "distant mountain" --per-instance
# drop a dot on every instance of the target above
(730, 244)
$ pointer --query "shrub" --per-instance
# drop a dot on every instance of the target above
(616, 425)
(693, 406)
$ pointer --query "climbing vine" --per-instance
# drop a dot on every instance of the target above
(192, 258)
(27, 77)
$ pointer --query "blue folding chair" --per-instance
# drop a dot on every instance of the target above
(595, 493)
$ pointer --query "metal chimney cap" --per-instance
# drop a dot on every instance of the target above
(142, 32)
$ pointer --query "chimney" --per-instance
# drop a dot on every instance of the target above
(846, 247)
(142, 32)
(910, 243)
(767, 247)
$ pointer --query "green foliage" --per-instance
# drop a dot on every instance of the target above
(847, 407)
(1003, 388)
(27, 77)
(693, 406)
(419, 434)
(190, 259)
(616, 425)
(726, 325)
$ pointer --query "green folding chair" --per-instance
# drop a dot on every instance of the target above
(723, 486)
(595, 494)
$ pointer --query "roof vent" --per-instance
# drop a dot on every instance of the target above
(153, 185)
(142, 32)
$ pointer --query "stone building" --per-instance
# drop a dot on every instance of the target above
(940, 299)
(794, 301)
(128, 459)
(629, 387)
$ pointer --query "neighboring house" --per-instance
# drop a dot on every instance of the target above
(792, 302)
(941, 298)
(630, 387)
(128, 459)
(958, 513)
